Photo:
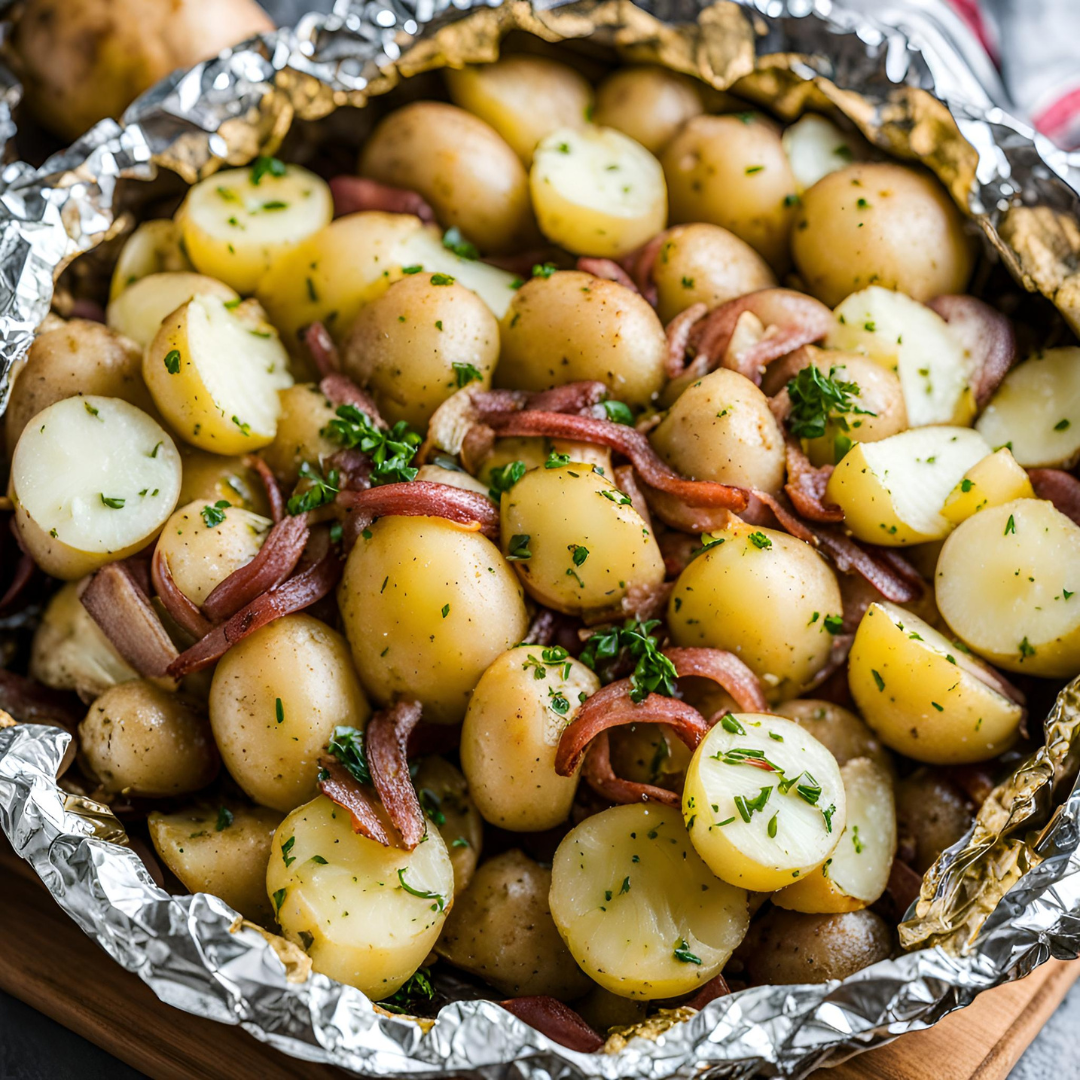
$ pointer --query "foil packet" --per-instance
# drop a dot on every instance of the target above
(1001, 901)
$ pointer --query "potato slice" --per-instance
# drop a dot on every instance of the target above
(907, 337)
(816, 147)
(93, 479)
(923, 695)
(1006, 583)
(1036, 410)
(994, 480)
(238, 222)
(892, 491)
(153, 248)
(215, 372)
(856, 873)
(637, 907)
(367, 915)
(596, 191)
(763, 802)
(138, 310)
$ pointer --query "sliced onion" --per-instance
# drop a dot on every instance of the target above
(353, 468)
(600, 775)
(575, 397)
(726, 670)
(269, 482)
(678, 338)
(385, 739)
(639, 265)
(323, 351)
(353, 194)
(986, 336)
(341, 787)
(608, 269)
(426, 738)
(805, 485)
(555, 1020)
(341, 390)
(181, 608)
(1061, 488)
(904, 886)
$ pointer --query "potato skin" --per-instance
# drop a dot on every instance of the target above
(933, 812)
(877, 223)
(733, 172)
(501, 929)
(404, 345)
(838, 729)
(472, 179)
(572, 326)
(210, 478)
(647, 102)
(443, 789)
(140, 740)
(304, 664)
(305, 411)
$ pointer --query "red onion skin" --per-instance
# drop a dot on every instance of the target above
(726, 670)
(607, 269)
(1061, 488)
(986, 334)
(182, 610)
(386, 737)
(555, 1020)
(353, 194)
(341, 787)
(422, 498)
(324, 353)
(270, 485)
(678, 338)
(599, 774)
(715, 988)
(805, 485)
(341, 390)
(576, 397)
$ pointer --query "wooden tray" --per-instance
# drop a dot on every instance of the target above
(50, 964)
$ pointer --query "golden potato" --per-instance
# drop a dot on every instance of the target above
(155, 247)
(139, 310)
(211, 478)
(647, 102)
(444, 795)
(843, 733)
(991, 481)
(305, 411)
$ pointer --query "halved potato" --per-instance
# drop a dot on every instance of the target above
(764, 801)
(153, 248)
(856, 873)
(923, 695)
(892, 491)
(993, 480)
(816, 147)
(648, 102)
(637, 907)
(137, 312)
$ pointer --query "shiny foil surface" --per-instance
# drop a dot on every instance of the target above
(1001, 901)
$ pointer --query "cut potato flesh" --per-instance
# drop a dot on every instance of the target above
(907, 337)
(1008, 584)
(994, 480)
(215, 373)
(93, 480)
(153, 248)
(237, 222)
(815, 147)
(922, 695)
(763, 802)
(596, 191)
(137, 312)
(1036, 410)
(366, 914)
(856, 873)
(638, 909)
(892, 491)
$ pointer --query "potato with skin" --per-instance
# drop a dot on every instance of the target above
(471, 178)
(705, 264)
(137, 739)
(274, 703)
(153, 248)
(575, 541)
(522, 97)
(501, 930)
(211, 478)
(139, 310)
(650, 753)
(93, 480)
(221, 850)
(721, 428)
(816, 147)
(878, 223)
(444, 795)
(427, 605)
(81, 357)
(638, 908)
(647, 102)
(838, 729)
(367, 915)
(305, 412)
(933, 812)
(786, 584)
(517, 714)
(572, 326)
(994, 480)
(732, 171)
(424, 338)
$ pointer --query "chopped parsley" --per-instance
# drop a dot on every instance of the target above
(279, 711)
(653, 672)
(453, 241)
(432, 806)
(544, 270)
(347, 745)
(503, 479)
(834, 623)
(390, 451)
(618, 412)
(214, 515)
(518, 550)
(313, 490)
(441, 279)
(286, 848)
(465, 373)
(578, 553)
(682, 953)
(417, 990)
(266, 166)
(816, 398)
(760, 541)
(423, 894)
(1010, 525)
(224, 819)
(112, 503)
(556, 460)
(172, 361)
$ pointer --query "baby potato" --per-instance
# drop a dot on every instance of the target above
(1036, 410)
(139, 740)
(572, 326)
(732, 171)
(444, 795)
(575, 540)
(651, 753)
(424, 338)
(764, 596)
(522, 97)
(501, 930)
(596, 191)
(994, 480)
(221, 850)
(427, 606)
(878, 223)
(787, 947)
(276, 698)
(647, 102)
(239, 222)
(816, 147)
(892, 491)
(93, 480)
(705, 264)
(139, 310)
(153, 248)
(332, 274)
(215, 374)
(211, 478)
(80, 357)
(639, 910)
(840, 731)
(521, 706)
(458, 478)
(933, 812)
(721, 428)
(922, 695)
(856, 873)
(754, 832)
(203, 544)
(471, 178)
(1002, 585)
(305, 412)
(367, 915)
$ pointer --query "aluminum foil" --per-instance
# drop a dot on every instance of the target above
(1001, 901)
